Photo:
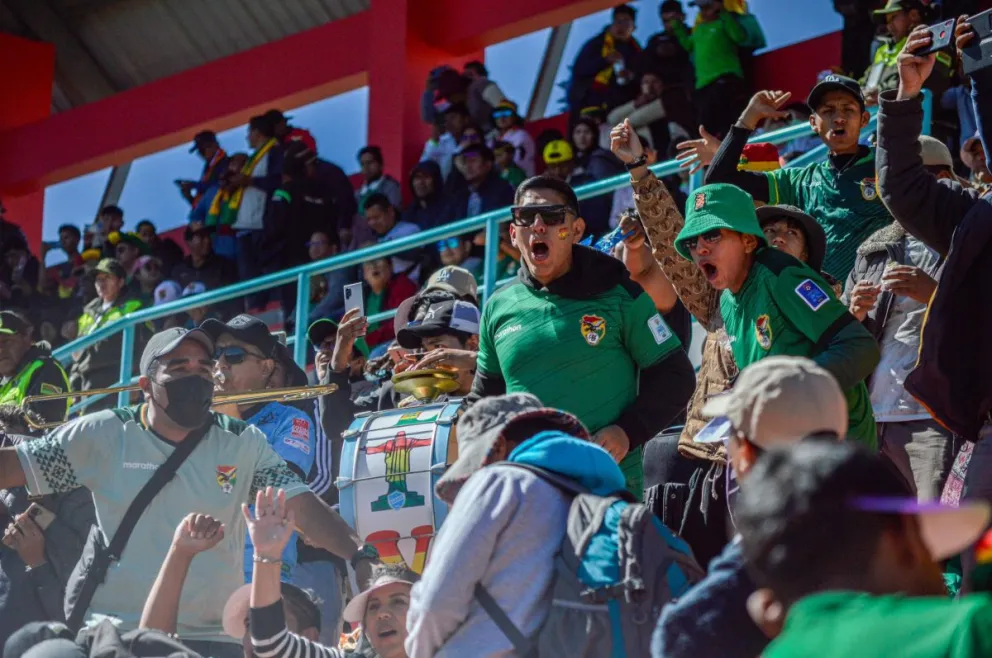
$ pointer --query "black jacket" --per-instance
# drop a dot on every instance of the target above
(495, 192)
(953, 377)
(428, 212)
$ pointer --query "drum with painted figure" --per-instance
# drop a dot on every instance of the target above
(390, 462)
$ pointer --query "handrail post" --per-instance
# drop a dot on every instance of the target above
(127, 357)
(695, 181)
(928, 112)
(492, 253)
(302, 315)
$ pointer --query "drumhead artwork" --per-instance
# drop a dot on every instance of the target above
(389, 465)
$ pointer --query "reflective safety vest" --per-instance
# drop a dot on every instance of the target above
(14, 391)
(90, 321)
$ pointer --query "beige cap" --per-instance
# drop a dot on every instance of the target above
(456, 280)
(780, 400)
(935, 153)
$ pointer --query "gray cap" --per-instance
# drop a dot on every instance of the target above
(935, 152)
(165, 341)
(456, 280)
(484, 423)
(778, 401)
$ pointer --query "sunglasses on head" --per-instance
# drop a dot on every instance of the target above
(234, 354)
(552, 215)
(503, 114)
(712, 237)
(450, 243)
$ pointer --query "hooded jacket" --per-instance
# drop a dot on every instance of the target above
(503, 531)
(495, 192)
(428, 212)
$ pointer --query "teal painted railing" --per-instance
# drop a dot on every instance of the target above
(301, 274)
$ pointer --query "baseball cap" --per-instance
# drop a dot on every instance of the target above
(236, 608)
(558, 151)
(167, 291)
(442, 318)
(164, 342)
(354, 612)
(834, 82)
(777, 401)
(718, 206)
(203, 138)
(14, 324)
(816, 238)
(246, 328)
(893, 6)
(275, 116)
(670, 5)
(111, 266)
(484, 423)
(478, 148)
(456, 280)
(935, 152)
(319, 330)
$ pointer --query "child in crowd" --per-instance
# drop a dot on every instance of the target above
(508, 169)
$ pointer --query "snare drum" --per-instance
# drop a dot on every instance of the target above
(390, 462)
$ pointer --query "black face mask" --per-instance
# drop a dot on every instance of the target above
(189, 401)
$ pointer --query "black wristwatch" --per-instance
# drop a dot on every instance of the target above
(639, 162)
(364, 552)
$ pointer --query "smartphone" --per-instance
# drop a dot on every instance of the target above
(941, 37)
(40, 515)
(353, 298)
(978, 54)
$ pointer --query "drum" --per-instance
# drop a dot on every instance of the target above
(390, 462)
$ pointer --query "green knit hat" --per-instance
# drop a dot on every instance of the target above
(718, 206)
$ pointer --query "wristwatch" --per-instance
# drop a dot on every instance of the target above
(364, 552)
(639, 162)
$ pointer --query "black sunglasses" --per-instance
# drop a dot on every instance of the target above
(234, 354)
(553, 215)
(712, 237)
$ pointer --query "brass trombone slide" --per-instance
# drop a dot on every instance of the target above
(287, 394)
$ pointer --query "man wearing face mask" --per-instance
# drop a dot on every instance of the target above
(245, 354)
(115, 452)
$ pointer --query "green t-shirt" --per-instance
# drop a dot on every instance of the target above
(714, 46)
(113, 454)
(786, 308)
(846, 203)
(580, 355)
(853, 624)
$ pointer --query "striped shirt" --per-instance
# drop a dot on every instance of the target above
(271, 639)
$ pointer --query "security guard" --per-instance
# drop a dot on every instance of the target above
(98, 365)
(28, 369)
(575, 331)
(772, 303)
(900, 18)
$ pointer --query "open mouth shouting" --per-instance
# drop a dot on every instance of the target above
(540, 250)
(710, 271)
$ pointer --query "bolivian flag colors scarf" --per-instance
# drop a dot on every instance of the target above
(224, 207)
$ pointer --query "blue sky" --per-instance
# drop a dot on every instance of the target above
(340, 123)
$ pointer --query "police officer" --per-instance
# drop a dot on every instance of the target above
(28, 368)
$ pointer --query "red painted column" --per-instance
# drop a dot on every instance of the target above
(399, 59)
(28, 72)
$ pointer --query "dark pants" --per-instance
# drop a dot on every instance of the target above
(720, 103)
(257, 256)
(922, 451)
(688, 495)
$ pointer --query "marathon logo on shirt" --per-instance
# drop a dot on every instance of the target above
(869, 190)
(505, 331)
(301, 429)
(812, 294)
(659, 329)
(593, 329)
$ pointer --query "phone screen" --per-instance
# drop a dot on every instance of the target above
(353, 298)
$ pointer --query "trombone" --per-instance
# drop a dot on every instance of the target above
(286, 394)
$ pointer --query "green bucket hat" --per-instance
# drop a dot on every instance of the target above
(718, 206)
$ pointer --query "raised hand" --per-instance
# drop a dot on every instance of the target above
(765, 105)
(915, 69)
(272, 525)
(625, 143)
(698, 153)
(197, 533)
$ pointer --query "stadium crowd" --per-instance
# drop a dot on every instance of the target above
(818, 486)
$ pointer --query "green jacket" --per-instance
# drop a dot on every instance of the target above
(714, 47)
(98, 365)
(38, 374)
(886, 63)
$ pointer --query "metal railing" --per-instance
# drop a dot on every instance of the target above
(301, 274)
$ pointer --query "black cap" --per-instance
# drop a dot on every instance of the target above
(816, 239)
(835, 82)
(165, 341)
(475, 147)
(203, 138)
(669, 6)
(451, 317)
(247, 329)
(14, 324)
(276, 116)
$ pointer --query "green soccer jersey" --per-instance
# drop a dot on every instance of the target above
(580, 355)
(113, 454)
(786, 308)
(846, 203)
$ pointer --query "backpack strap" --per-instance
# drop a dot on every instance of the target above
(521, 643)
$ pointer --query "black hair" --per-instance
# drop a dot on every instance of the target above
(374, 151)
(400, 571)
(517, 432)
(377, 199)
(112, 210)
(799, 531)
(544, 182)
(478, 67)
(72, 229)
(625, 9)
(302, 604)
(145, 222)
(457, 108)
(263, 124)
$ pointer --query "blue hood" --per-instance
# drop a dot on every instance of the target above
(575, 458)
